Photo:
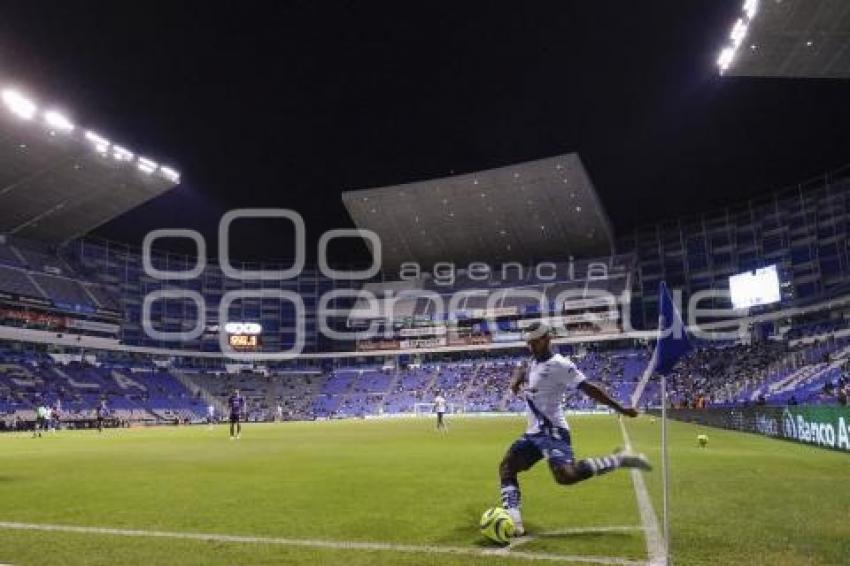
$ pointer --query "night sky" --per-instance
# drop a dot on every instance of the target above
(288, 104)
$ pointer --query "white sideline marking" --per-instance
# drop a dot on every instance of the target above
(654, 545)
(327, 544)
(519, 541)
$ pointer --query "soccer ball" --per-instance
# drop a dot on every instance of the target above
(702, 439)
(497, 525)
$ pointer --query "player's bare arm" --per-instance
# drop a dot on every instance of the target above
(601, 396)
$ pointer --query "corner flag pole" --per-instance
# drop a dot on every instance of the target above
(665, 464)
(671, 345)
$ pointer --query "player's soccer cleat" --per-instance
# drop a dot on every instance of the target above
(629, 459)
(519, 529)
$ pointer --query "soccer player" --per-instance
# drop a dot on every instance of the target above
(100, 413)
(236, 403)
(48, 418)
(56, 414)
(40, 420)
(279, 413)
(440, 409)
(543, 386)
(211, 416)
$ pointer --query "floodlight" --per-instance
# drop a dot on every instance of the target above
(19, 104)
(57, 121)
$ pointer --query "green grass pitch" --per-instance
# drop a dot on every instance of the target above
(743, 499)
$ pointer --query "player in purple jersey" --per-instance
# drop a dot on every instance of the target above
(56, 414)
(101, 412)
(236, 404)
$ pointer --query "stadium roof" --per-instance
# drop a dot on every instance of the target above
(790, 38)
(58, 182)
(545, 209)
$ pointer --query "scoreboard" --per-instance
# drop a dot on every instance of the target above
(755, 288)
(244, 336)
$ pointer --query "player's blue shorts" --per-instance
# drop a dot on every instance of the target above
(555, 446)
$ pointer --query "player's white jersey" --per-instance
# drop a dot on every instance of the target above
(211, 411)
(440, 404)
(548, 383)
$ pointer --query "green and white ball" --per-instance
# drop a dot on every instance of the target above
(497, 525)
(702, 439)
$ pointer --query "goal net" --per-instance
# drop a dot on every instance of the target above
(427, 409)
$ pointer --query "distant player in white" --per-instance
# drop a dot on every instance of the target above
(49, 416)
(41, 416)
(210, 416)
(279, 413)
(543, 385)
(440, 409)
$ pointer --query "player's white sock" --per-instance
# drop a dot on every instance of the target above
(516, 517)
(511, 497)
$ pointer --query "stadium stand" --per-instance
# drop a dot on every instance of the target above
(140, 391)
(96, 288)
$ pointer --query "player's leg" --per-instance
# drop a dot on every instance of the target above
(232, 427)
(567, 471)
(238, 428)
(440, 424)
(521, 456)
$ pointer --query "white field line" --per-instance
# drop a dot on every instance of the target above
(327, 544)
(654, 545)
(519, 541)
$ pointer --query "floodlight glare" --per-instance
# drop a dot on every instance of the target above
(101, 144)
(739, 32)
(19, 104)
(170, 174)
(725, 59)
(57, 121)
(26, 109)
(146, 165)
(121, 154)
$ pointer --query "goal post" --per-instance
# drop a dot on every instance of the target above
(427, 409)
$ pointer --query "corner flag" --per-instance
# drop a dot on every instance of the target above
(673, 340)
